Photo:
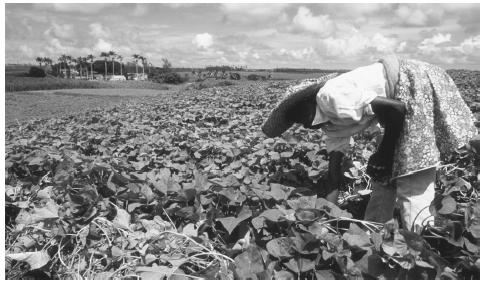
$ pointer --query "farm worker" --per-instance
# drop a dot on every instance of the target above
(424, 119)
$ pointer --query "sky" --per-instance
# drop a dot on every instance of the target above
(312, 35)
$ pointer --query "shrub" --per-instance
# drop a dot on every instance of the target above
(200, 85)
(225, 83)
(16, 83)
(210, 84)
(235, 76)
(36, 71)
(256, 77)
(173, 78)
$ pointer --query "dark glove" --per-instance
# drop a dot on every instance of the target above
(380, 167)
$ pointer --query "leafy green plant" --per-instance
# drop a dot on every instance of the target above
(186, 187)
(255, 77)
(36, 71)
(173, 78)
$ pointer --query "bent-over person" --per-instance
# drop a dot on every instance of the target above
(424, 117)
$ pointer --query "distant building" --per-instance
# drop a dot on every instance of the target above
(74, 73)
(98, 76)
(116, 78)
(137, 76)
(68, 73)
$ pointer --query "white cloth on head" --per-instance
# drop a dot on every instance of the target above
(343, 104)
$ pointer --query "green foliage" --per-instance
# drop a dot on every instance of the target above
(19, 83)
(235, 76)
(166, 66)
(166, 75)
(186, 187)
(159, 76)
(225, 83)
(36, 71)
(203, 84)
(223, 68)
(256, 77)
(173, 78)
(307, 70)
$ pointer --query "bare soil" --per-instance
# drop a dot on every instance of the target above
(27, 105)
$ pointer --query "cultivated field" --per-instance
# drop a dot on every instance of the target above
(27, 105)
(180, 184)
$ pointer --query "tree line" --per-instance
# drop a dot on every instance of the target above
(88, 64)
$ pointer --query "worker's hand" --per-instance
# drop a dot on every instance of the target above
(328, 188)
(380, 166)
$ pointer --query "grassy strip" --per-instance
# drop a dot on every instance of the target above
(13, 84)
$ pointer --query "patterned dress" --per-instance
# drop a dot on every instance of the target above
(437, 121)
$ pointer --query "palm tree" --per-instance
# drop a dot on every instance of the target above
(47, 60)
(105, 55)
(112, 55)
(39, 60)
(73, 63)
(136, 59)
(48, 64)
(90, 57)
(119, 57)
(68, 59)
(143, 59)
(80, 61)
(84, 63)
(144, 62)
(62, 60)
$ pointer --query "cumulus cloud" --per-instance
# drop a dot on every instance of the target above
(418, 16)
(299, 54)
(99, 31)
(64, 31)
(249, 13)
(243, 54)
(102, 46)
(254, 10)
(55, 46)
(430, 45)
(383, 44)
(141, 9)
(79, 8)
(364, 8)
(401, 47)
(26, 51)
(178, 5)
(304, 20)
(203, 41)
(345, 46)
(437, 49)
(356, 44)
(470, 45)
(437, 39)
(55, 43)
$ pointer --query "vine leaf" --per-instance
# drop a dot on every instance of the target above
(36, 259)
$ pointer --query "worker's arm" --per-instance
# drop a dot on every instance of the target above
(335, 175)
(391, 114)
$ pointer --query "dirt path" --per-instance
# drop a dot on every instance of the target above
(23, 106)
